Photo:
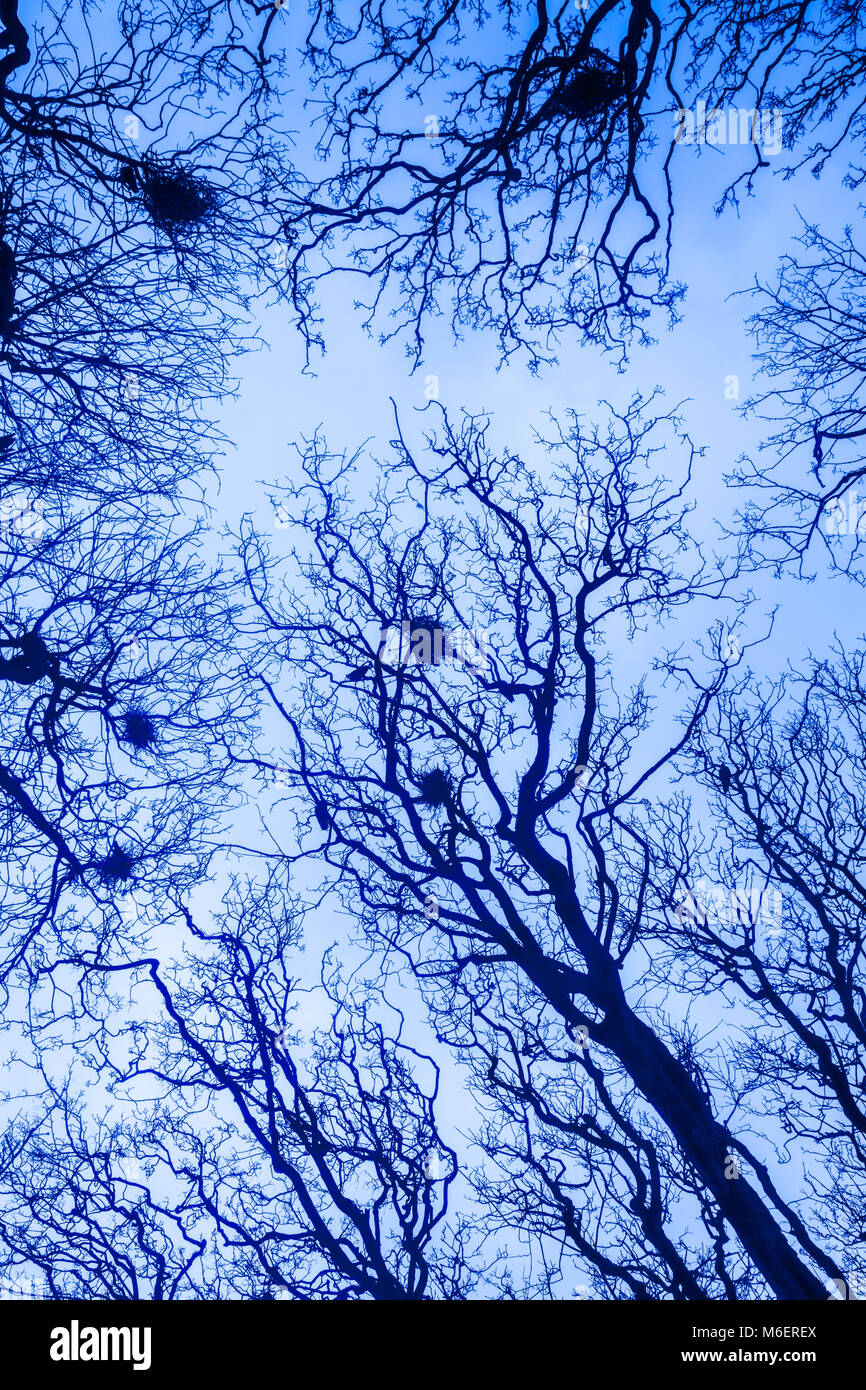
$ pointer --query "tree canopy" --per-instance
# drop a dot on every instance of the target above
(450, 896)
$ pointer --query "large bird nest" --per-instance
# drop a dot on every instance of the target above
(117, 866)
(431, 643)
(435, 787)
(176, 199)
(588, 91)
(138, 729)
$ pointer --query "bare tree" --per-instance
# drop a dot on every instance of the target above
(112, 758)
(519, 165)
(809, 331)
(466, 744)
(130, 226)
(456, 829)
(789, 818)
(273, 1162)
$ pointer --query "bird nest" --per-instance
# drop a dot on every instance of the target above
(176, 199)
(117, 866)
(435, 787)
(589, 90)
(431, 643)
(138, 728)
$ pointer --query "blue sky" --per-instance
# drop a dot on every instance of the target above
(715, 256)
